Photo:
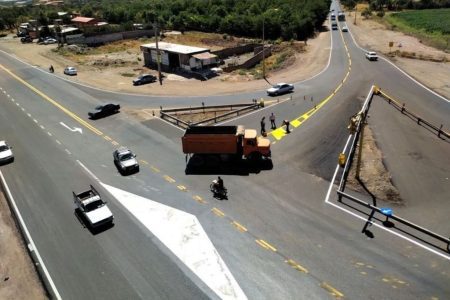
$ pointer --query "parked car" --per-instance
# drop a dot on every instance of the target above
(6, 154)
(280, 88)
(70, 71)
(49, 40)
(371, 55)
(345, 29)
(104, 110)
(125, 160)
(26, 39)
(144, 78)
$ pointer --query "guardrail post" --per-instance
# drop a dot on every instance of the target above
(440, 131)
(403, 107)
(203, 105)
(418, 120)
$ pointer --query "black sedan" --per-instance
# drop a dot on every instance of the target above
(143, 79)
(104, 110)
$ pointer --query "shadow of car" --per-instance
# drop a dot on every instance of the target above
(144, 78)
(104, 110)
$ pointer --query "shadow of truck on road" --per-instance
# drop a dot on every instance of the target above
(225, 149)
(226, 165)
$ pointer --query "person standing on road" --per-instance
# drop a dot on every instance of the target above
(272, 121)
(263, 126)
(286, 122)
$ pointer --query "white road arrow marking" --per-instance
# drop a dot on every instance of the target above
(75, 129)
(183, 234)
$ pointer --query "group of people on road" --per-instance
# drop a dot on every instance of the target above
(273, 125)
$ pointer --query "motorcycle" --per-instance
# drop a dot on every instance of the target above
(218, 192)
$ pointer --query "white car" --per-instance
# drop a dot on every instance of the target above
(6, 154)
(280, 88)
(371, 55)
(70, 71)
(50, 41)
(345, 29)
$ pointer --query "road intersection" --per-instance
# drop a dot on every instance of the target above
(276, 234)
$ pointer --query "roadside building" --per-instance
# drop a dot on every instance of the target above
(175, 57)
(81, 22)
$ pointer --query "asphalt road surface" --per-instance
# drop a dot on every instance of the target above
(291, 243)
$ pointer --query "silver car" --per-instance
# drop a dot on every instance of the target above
(280, 88)
(70, 71)
(125, 160)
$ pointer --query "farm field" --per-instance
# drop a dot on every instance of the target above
(432, 26)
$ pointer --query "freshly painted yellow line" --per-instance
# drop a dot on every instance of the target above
(239, 226)
(218, 212)
(169, 179)
(266, 245)
(331, 290)
(296, 266)
(199, 199)
(68, 112)
(144, 162)
(182, 188)
(295, 123)
(155, 169)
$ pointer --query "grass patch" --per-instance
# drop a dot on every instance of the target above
(127, 74)
(431, 26)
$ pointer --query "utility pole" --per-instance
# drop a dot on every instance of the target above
(158, 55)
(263, 54)
(356, 9)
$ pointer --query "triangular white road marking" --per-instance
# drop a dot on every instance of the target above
(183, 234)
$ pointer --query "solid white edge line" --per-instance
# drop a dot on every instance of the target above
(377, 225)
(399, 69)
(27, 234)
(88, 171)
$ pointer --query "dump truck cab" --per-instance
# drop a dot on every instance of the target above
(255, 147)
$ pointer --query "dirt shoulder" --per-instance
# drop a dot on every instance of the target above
(370, 34)
(19, 279)
(305, 65)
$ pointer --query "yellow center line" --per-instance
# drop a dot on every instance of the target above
(144, 162)
(266, 245)
(239, 226)
(218, 212)
(199, 199)
(107, 138)
(155, 169)
(65, 110)
(169, 179)
(296, 266)
(331, 290)
(182, 188)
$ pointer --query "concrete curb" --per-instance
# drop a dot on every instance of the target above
(39, 265)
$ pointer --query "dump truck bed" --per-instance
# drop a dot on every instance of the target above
(212, 139)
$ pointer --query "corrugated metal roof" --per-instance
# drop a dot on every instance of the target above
(204, 55)
(82, 19)
(169, 47)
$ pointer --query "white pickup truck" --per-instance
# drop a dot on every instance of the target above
(93, 208)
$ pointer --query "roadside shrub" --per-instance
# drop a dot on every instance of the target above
(366, 13)
(3, 35)
(380, 13)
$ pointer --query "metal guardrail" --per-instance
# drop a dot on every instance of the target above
(351, 153)
(165, 113)
(402, 108)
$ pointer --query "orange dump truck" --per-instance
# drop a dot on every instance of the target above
(208, 141)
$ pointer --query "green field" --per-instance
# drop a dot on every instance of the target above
(430, 25)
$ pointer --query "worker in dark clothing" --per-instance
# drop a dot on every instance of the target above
(272, 121)
(51, 69)
(286, 122)
(263, 126)
(220, 183)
